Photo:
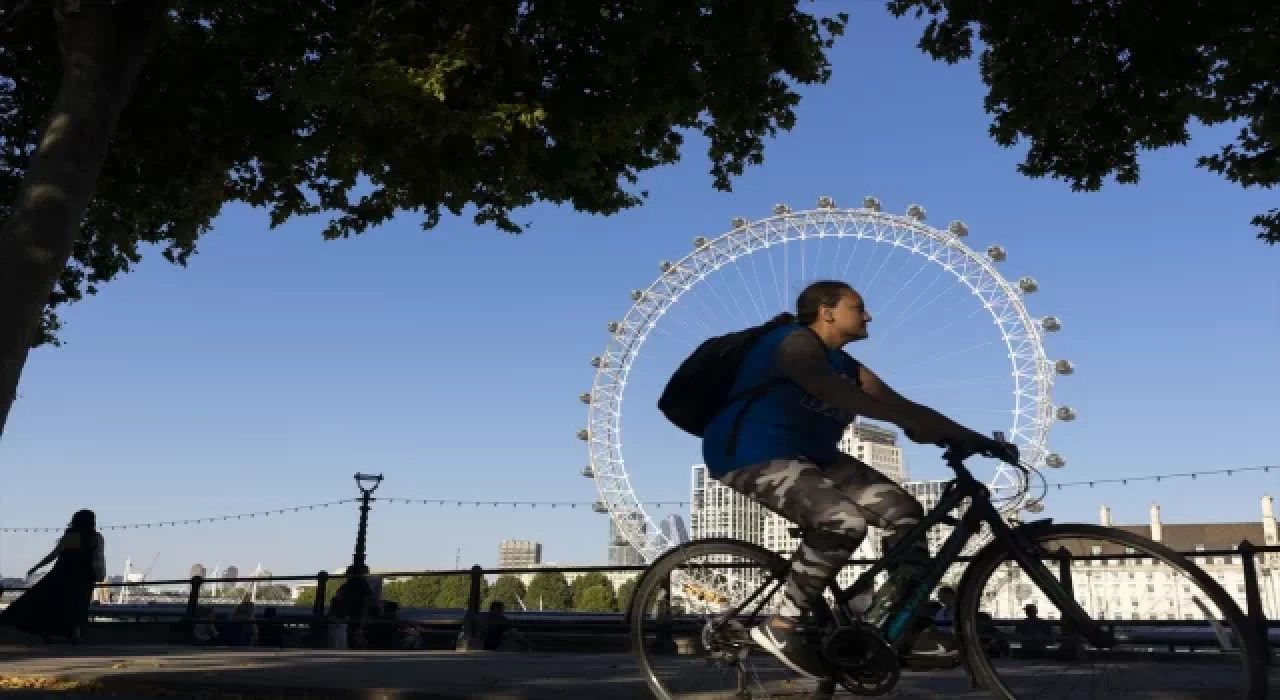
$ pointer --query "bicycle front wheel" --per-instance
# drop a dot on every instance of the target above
(1178, 633)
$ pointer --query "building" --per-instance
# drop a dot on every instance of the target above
(519, 554)
(621, 551)
(198, 570)
(674, 530)
(718, 511)
(1144, 589)
(877, 446)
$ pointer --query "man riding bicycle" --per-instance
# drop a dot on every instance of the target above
(780, 447)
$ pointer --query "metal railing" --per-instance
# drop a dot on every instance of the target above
(183, 604)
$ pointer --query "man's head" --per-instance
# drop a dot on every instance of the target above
(834, 311)
(497, 607)
(1031, 610)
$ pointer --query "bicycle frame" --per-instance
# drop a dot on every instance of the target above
(895, 624)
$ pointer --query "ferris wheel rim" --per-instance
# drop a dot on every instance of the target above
(1033, 380)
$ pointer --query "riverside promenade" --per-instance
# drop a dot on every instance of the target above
(68, 672)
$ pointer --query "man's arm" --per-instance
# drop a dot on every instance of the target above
(802, 359)
(929, 425)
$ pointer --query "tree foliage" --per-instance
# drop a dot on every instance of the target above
(455, 591)
(549, 591)
(625, 591)
(1090, 84)
(584, 583)
(509, 589)
(595, 599)
(358, 110)
(416, 592)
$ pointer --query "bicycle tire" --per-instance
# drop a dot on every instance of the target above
(657, 572)
(969, 596)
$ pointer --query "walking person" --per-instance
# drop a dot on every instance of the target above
(57, 606)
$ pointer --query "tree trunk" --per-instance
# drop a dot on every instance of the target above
(104, 45)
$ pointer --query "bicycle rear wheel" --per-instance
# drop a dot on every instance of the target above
(1178, 633)
(697, 648)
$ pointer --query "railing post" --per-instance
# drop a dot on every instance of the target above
(1253, 598)
(320, 623)
(1071, 647)
(663, 640)
(468, 639)
(193, 598)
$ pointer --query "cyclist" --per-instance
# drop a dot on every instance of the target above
(781, 448)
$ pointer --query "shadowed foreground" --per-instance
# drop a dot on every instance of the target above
(194, 673)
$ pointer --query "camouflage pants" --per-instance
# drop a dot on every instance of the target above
(833, 504)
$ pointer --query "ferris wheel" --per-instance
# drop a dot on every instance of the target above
(1029, 385)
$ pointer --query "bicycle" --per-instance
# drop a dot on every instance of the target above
(864, 654)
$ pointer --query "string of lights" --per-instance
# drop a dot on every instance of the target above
(573, 505)
(195, 521)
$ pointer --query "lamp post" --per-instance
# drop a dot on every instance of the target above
(367, 483)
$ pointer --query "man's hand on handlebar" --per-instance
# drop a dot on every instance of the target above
(977, 444)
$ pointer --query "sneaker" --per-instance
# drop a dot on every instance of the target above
(790, 646)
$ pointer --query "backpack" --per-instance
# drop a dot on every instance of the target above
(700, 387)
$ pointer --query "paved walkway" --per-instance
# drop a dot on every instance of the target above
(297, 673)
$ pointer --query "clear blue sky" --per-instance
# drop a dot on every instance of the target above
(278, 364)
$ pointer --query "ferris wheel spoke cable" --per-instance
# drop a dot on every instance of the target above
(899, 316)
(755, 303)
(911, 310)
(900, 369)
(886, 305)
(953, 382)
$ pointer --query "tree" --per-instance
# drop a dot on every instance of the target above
(1089, 84)
(595, 599)
(416, 592)
(455, 591)
(289, 105)
(584, 583)
(625, 591)
(549, 591)
(509, 589)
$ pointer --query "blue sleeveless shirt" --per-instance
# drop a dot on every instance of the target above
(783, 423)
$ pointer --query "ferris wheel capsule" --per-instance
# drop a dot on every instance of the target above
(916, 212)
(597, 362)
(1064, 367)
(872, 203)
(1065, 413)
(958, 229)
(614, 326)
(781, 209)
(1050, 324)
(588, 472)
(739, 222)
(600, 507)
(638, 294)
(1034, 507)
(1028, 285)
(699, 243)
(584, 435)
(825, 202)
(996, 253)
(585, 397)
(1055, 460)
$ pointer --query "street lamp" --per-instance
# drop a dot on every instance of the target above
(367, 483)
